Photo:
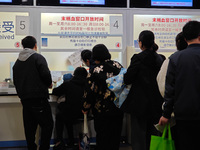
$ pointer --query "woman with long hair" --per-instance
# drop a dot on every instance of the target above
(144, 100)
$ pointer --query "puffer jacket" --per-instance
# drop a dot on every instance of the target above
(31, 75)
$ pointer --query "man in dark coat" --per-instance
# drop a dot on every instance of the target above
(32, 79)
(182, 90)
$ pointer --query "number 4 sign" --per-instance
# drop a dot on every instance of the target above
(22, 25)
(116, 25)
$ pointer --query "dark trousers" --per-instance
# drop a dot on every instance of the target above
(141, 131)
(37, 112)
(187, 134)
(108, 131)
(62, 120)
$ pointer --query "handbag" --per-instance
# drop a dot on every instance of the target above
(164, 142)
(116, 84)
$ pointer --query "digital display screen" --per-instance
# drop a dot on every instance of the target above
(85, 2)
(172, 3)
(5, 1)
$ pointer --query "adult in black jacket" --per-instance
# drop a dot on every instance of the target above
(107, 117)
(144, 100)
(182, 90)
(32, 79)
(71, 109)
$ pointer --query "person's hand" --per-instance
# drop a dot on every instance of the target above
(163, 121)
(50, 86)
(84, 112)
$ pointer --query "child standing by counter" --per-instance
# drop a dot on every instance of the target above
(70, 109)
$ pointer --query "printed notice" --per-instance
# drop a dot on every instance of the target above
(76, 31)
(164, 27)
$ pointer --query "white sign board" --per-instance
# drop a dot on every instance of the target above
(11, 26)
(164, 27)
(79, 30)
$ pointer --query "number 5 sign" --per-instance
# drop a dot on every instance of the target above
(22, 25)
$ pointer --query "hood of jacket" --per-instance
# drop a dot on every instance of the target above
(25, 54)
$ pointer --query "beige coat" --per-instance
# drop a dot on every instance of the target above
(162, 76)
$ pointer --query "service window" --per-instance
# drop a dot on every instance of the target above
(65, 35)
(58, 61)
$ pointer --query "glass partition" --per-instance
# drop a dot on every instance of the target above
(58, 61)
(7, 60)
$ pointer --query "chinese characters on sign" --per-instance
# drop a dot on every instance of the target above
(165, 28)
(6, 27)
(73, 31)
(9, 38)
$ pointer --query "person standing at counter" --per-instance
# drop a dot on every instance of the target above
(71, 109)
(144, 100)
(32, 79)
(182, 87)
(107, 117)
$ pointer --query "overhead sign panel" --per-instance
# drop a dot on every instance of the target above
(78, 30)
(13, 27)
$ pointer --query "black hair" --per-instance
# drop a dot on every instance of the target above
(80, 72)
(155, 47)
(29, 42)
(100, 52)
(86, 55)
(180, 42)
(191, 30)
(147, 39)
